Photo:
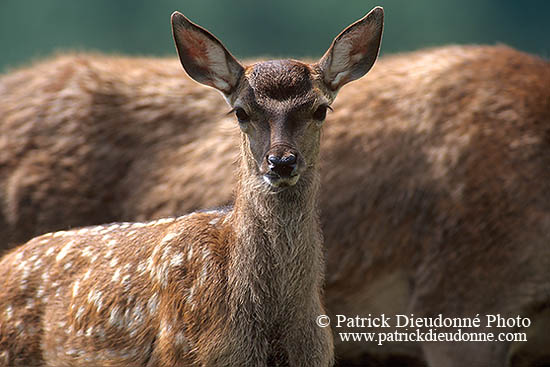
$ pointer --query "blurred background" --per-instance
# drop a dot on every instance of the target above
(30, 30)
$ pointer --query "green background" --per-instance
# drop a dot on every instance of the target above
(34, 29)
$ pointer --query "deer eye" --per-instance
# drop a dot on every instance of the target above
(321, 112)
(241, 114)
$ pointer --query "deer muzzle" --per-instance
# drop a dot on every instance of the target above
(282, 167)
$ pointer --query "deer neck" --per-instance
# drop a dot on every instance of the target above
(278, 250)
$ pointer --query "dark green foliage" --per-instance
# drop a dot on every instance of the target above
(298, 28)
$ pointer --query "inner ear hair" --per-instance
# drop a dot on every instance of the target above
(204, 57)
(354, 51)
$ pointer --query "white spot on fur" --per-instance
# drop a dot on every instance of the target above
(37, 265)
(22, 265)
(96, 229)
(45, 277)
(59, 234)
(64, 251)
(125, 281)
(116, 276)
(5, 356)
(75, 288)
(228, 217)
(214, 221)
(191, 295)
(83, 231)
(67, 265)
(138, 312)
(9, 312)
(156, 250)
(168, 237)
(114, 318)
(87, 274)
(141, 267)
(161, 274)
(19, 256)
(213, 211)
(73, 352)
(95, 298)
(152, 304)
(89, 331)
(135, 320)
(126, 318)
(177, 260)
(204, 275)
(165, 220)
(189, 215)
(150, 265)
(165, 329)
(111, 243)
(40, 292)
(205, 253)
(166, 252)
(79, 312)
(108, 254)
(25, 275)
(87, 251)
(113, 262)
(49, 251)
(20, 327)
(33, 258)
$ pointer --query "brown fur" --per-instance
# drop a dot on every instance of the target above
(434, 174)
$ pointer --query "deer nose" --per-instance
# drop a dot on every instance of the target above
(283, 166)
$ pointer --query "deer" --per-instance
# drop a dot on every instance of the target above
(433, 175)
(235, 287)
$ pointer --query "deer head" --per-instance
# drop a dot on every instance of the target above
(280, 105)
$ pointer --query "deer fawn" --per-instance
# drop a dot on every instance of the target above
(240, 287)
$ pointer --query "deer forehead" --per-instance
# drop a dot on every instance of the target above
(291, 82)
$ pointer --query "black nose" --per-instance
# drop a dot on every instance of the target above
(283, 166)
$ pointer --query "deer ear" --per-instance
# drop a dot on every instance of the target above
(204, 57)
(354, 51)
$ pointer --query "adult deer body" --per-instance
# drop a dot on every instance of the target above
(234, 288)
(434, 176)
